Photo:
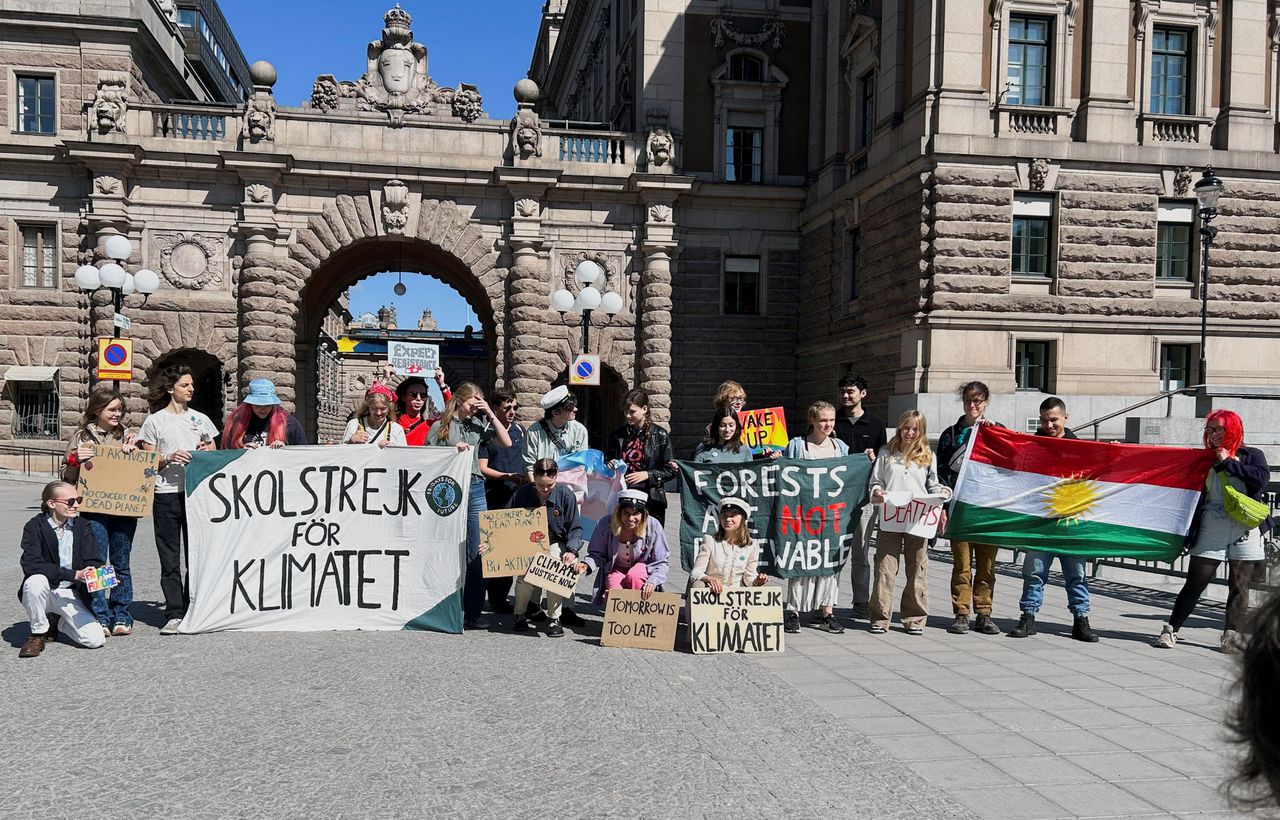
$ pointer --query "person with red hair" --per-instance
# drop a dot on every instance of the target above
(1216, 536)
(261, 421)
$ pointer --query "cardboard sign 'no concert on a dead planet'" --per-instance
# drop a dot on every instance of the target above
(632, 623)
(118, 483)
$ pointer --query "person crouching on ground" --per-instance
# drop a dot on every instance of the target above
(564, 531)
(905, 464)
(58, 552)
(731, 557)
(627, 549)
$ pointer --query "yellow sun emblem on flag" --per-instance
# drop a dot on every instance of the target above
(1070, 499)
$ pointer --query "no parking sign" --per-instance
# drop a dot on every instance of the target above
(585, 371)
(115, 359)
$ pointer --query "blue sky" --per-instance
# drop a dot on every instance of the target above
(484, 42)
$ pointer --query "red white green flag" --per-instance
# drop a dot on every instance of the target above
(1084, 498)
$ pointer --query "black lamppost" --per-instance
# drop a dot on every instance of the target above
(1208, 189)
(113, 277)
(589, 298)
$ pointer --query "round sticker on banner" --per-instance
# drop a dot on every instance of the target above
(115, 354)
(444, 496)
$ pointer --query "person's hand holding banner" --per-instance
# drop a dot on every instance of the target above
(915, 515)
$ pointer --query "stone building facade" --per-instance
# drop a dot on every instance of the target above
(781, 191)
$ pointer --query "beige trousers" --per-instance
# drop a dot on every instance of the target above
(914, 553)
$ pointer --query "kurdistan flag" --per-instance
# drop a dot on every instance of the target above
(1083, 498)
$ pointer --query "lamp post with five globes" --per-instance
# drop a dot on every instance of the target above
(589, 299)
(112, 276)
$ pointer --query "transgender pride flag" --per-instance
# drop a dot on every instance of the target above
(1083, 498)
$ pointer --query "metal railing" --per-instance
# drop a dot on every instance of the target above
(31, 461)
(1168, 412)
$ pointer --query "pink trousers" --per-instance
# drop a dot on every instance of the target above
(634, 578)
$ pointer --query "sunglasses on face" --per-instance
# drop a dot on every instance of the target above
(70, 502)
(416, 395)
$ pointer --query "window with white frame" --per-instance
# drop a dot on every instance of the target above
(1033, 366)
(748, 113)
(866, 109)
(743, 154)
(1170, 67)
(1030, 60)
(39, 260)
(1175, 221)
(1175, 367)
(37, 104)
(1032, 235)
(742, 285)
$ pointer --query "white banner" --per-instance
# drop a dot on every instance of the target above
(917, 516)
(411, 359)
(318, 538)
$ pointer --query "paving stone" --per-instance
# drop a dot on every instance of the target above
(1180, 795)
(1096, 800)
(1034, 770)
(1009, 803)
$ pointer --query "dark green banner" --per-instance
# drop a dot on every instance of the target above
(805, 513)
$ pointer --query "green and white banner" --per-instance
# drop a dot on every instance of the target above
(805, 513)
(319, 538)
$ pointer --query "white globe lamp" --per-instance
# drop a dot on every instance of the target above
(587, 272)
(562, 300)
(128, 287)
(588, 298)
(87, 277)
(611, 303)
(146, 281)
(117, 247)
(111, 275)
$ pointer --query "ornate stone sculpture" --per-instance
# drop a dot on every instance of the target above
(260, 108)
(257, 192)
(111, 101)
(396, 80)
(526, 127)
(773, 32)
(1037, 173)
(395, 207)
(659, 213)
(189, 260)
(527, 207)
(660, 147)
(1182, 180)
(106, 184)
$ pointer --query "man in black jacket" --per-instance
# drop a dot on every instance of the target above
(864, 432)
(58, 551)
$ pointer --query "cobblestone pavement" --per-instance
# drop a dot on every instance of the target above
(495, 724)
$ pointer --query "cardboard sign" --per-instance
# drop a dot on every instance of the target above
(115, 359)
(118, 483)
(917, 516)
(739, 619)
(514, 538)
(100, 578)
(410, 359)
(635, 624)
(764, 430)
(552, 574)
(585, 371)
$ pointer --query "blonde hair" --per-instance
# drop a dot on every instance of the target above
(462, 393)
(741, 536)
(727, 390)
(615, 522)
(817, 409)
(917, 452)
(362, 412)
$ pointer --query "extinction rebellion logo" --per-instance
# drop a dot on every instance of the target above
(444, 496)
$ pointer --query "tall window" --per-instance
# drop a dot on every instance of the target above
(1029, 66)
(852, 262)
(1032, 231)
(742, 285)
(1175, 367)
(35, 105)
(744, 154)
(746, 68)
(866, 108)
(1170, 56)
(35, 406)
(1031, 366)
(39, 256)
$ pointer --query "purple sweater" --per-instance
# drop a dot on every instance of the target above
(604, 549)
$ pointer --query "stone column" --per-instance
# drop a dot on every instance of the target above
(654, 328)
(1108, 108)
(1245, 119)
(529, 368)
(268, 288)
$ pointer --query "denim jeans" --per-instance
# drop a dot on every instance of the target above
(1035, 573)
(114, 534)
(473, 590)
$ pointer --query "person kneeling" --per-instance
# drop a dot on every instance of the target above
(627, 550)
(730, 558)
(58, 551)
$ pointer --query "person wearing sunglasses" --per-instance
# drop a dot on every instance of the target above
(58, 551)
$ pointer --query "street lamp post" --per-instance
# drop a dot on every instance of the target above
(112, 276)
(1208, 189)
(589, 299)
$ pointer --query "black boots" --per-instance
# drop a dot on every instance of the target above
(1081, 630)
(1026, 626)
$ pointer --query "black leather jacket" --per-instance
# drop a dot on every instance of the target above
(657, 458)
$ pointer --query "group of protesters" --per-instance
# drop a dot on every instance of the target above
(516, 467)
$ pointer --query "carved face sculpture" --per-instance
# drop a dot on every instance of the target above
(527, 139)
(108, 111)
(395, 66)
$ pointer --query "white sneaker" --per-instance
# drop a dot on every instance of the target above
(170, 626)
(1232, 643)
(1167, 638)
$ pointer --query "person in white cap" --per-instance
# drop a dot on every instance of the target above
(731, 557)
(557, 433)
(627, 550)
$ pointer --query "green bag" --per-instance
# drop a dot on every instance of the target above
(1246, 510)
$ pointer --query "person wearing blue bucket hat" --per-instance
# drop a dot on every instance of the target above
(260, 420)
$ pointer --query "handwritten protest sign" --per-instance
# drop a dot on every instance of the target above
(514, 537)
(805, 513)
(118, 483)
(553, 575)
(764, 430)
(736, 620)
(100, 578)
(914, 515)
(311, 538)
(411, 359)
(635, 624)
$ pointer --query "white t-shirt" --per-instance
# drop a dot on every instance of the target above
(390, 431)
(168, 432)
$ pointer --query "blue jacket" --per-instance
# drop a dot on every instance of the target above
(40, 554)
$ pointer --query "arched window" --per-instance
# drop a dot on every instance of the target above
(746, 68)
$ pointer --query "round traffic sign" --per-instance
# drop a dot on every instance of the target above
(585, 369)
(114, 354)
